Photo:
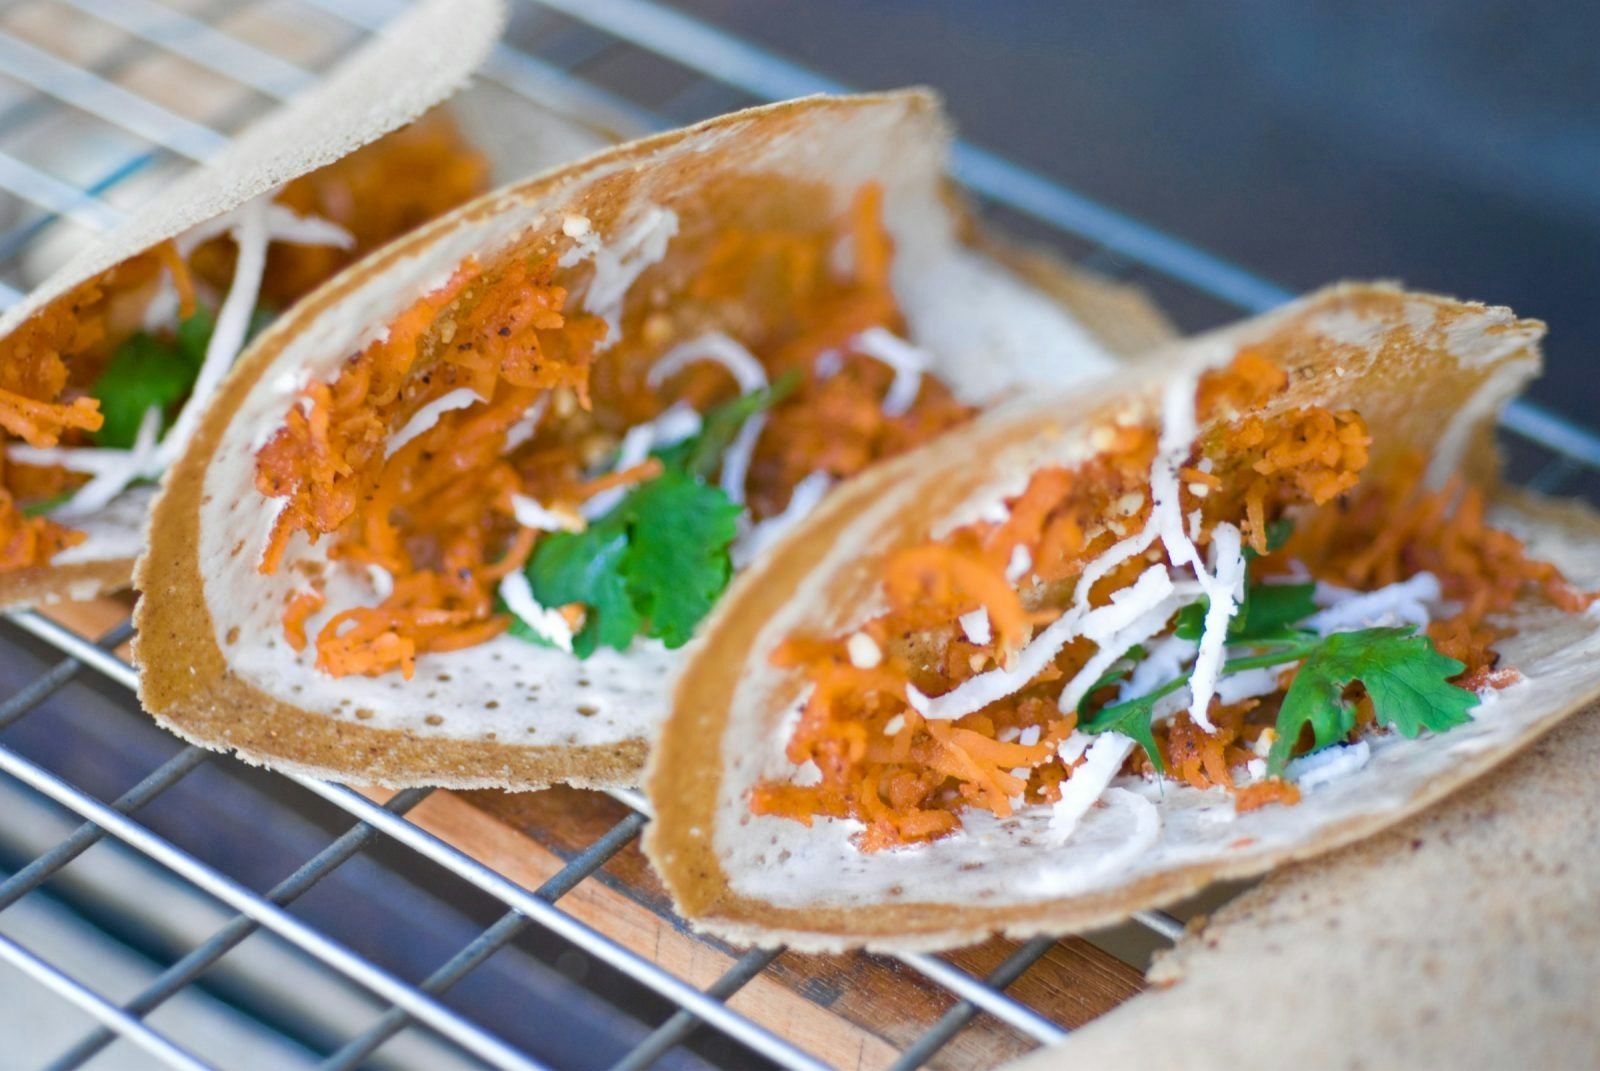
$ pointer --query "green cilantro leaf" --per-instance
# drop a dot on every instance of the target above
(658, 561)
(148, 370)
(1132, 718)
(700, 454)
(1278, 533)
(587, 567)
(45, 505)
(654, 564)
(677, 561)
(143, 372)
(1266, 611)
(1407, 678)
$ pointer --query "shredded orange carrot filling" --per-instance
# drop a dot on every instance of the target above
(440, 507)
(883, 764)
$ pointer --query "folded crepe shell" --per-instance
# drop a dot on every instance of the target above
(507, 713)
(420, 59)
(1427, 374)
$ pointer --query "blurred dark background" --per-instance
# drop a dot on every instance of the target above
(1452, 145)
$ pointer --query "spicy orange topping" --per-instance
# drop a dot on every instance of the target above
(437, 514)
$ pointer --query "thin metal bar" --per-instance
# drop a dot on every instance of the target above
(544, 83)
(90, 93)
(15, 240)
(633, 798)
(424, 1008)
(200, 44)
(597, 944)
(203, 956)
(102, 1009)
(955, 1020)
(490, 941)
(1555, 476)
(682, 1023)
(976, 991)
(70, 643)
(1553, 431)
(55, 196)
(55, 678)
(1166, 925)
(89, 834)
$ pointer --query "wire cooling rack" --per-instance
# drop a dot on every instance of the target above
(580, 56)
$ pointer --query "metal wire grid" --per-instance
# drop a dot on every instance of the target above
(722, 69)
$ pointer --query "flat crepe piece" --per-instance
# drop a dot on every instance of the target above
(1457, 939)
(508, 713)
(1427, 374)
(414, 63)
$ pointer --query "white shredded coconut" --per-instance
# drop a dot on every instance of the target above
(1102, 760)
(908, 362)
(523, 429)
(619, 263)
(1162, 663)
(975, 626)
(1072, 748)
(893, 726)
(864, 651)
(1029, 736)
(113, 470)
(425, 418)
(751, 377)
(1021, 561)
(548, 623)
(531, 513)
(1225, 588)
(805, 497)
(996, 512)
(382, 581)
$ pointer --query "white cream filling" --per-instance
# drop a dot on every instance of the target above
(975, 627)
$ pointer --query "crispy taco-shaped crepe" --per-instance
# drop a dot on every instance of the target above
(452, 519)
(1103, 647)
(107, 365)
